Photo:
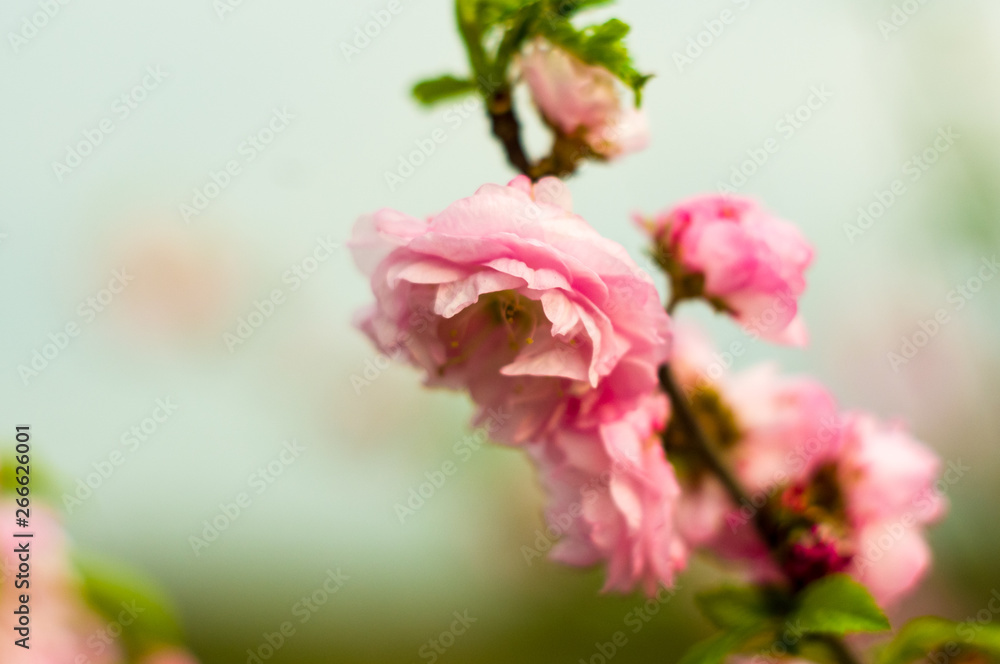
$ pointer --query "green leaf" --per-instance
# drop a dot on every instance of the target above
(923, 636)
(494, 12)
(838, 605)
(738, 606)
(714, 649)
(433, 90)
(599, 45)
(43, 486)
(113, 593)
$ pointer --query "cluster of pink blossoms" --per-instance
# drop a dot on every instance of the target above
(512, 298)
(559, 339)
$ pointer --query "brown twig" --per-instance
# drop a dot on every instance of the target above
(508, 130)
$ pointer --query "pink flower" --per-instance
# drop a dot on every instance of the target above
(510, 295)
(741, 258)
(889, 480)
(62, 625)
(582, 101)
(781, 429)
(612, 499)
(850, 494)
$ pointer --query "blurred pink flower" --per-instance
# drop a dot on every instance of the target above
(889, 479)
(612, 498)
(583, 101)
(781, 429)
(510, 295)
(743, 259)
(62, 626)
(185, 282)
(853, 495)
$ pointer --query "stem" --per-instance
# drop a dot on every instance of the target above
(769, 530)
(508, 130)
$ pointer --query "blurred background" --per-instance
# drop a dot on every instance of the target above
(177, 184)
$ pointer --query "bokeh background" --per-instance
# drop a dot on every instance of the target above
(227, 68)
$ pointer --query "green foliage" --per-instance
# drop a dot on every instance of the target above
(42, 484)
(601, 45)
(433, 90)
(732, 606)
(923, 636)
(838, 605)
(716, 648)
(494, 31)
(115, 593)
(760, 619)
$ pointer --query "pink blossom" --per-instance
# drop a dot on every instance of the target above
(61, 623)
(773, 429)
(612, 499)
(583, 101)
(743, 259)
(851, 494)
(511, 296)
(889, 479)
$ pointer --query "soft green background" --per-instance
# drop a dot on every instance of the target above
(333, 506)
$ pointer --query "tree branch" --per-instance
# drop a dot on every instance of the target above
(508, 130)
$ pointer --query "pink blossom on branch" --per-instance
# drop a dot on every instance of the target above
(740, 257)
(850, 493)
(583, 101)
(771, 429)
(612, 499)
(511, 296)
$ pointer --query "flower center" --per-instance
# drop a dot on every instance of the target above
(495, 329)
